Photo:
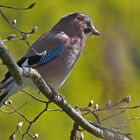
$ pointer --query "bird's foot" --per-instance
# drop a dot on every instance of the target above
(56, 95)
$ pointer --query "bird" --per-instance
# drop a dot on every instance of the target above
(54, 54)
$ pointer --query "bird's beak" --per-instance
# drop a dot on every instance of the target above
(94, 31)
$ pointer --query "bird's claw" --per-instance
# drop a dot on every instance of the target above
(57, 96)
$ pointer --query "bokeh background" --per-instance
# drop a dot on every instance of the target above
(109, 67)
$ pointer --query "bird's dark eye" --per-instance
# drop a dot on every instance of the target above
(87, 30)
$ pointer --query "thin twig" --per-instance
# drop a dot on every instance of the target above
(37, 99)
(119, 108)
(73, 134)
(11, 112)
(6, 19)
(55, 109)
(123, 124)
(17, 8)
(96, 116)
(93, 113)
(34, 120)
(109, 108)
(112, 115)
(12, 106)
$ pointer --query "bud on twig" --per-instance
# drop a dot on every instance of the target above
(90, 103)
(108, 103)
(96, 107)
(126, 99)
(5, 103)
(34, 30)
(14, 22)
(35, 136)
(10, 37)
(31, 6)
(12, 137)
(82, 136)
(25, 36)
(20, 124)
(9, 102)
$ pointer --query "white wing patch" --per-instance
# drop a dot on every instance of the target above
(25, 63)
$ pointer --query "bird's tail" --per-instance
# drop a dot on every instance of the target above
(7, 91)
(8, 87)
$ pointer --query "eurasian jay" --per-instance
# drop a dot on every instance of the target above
(59, 50)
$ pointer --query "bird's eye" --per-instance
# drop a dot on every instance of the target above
(87, 21)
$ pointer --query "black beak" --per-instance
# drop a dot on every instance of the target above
(94, 31)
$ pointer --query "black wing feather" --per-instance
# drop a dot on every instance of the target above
(34, 59)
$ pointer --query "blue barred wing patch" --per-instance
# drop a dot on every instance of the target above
(51, 54)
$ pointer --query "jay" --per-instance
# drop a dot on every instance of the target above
(59, 50)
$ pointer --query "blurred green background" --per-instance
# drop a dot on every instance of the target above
(109, 67)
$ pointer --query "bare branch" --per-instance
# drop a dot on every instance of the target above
(10, 63)
(42, 101)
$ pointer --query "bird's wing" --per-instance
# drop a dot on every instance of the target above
(47, 42)
(49, 46)
(45, 57)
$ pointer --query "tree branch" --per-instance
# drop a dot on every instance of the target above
(18, 73)
(11, 64)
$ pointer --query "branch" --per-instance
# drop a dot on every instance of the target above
(17, 72)
(10, 63)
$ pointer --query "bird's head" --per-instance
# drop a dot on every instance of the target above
(76, 24)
